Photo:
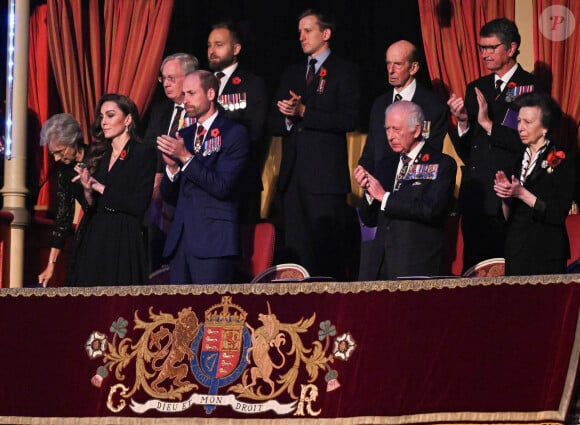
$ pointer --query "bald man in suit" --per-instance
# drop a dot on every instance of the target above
(402, 66)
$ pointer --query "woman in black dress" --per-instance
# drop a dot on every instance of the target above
(110, 249)
(536, 201)
(62, 134)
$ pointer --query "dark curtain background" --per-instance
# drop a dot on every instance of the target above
(270, 35)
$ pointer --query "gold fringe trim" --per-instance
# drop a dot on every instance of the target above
(294, 288)
(360, 420)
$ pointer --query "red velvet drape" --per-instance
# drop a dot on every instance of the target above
(556, 45)
(135, 36)
(102, 46)
(450, 33)
(38, 98)
(74, 45)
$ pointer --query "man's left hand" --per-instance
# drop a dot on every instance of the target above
(172, 147)
(482, 115)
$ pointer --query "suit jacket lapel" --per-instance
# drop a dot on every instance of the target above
(229, 87)
(311, 89)
(538, 170)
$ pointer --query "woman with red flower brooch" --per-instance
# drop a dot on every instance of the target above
(109, 247)
(537, 198)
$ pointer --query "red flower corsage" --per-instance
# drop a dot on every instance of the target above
(215, 132)
(554, 159)
(236, 80)
(425, 158)
(322, 72)
(123, 154)
(511, 85)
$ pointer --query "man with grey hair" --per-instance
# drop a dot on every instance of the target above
(165, 117)
(408, 199)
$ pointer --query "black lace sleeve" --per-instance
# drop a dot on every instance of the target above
(65, 207)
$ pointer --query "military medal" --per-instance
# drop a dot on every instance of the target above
(514, 91)
(426, 129)
(243, 103)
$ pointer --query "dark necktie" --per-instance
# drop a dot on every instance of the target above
(199, 138)
(311, 72)
(398, 97)
(219, 75)
(403, 171)
(498, 84)
(175, 122)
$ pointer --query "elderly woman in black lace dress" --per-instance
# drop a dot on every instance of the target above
(62, 134)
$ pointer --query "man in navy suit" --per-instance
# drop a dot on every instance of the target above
(162, 118)
(402, 65)
(315, 105)
(243, 99)
(486, 138)
(407, 198)
(201, 180)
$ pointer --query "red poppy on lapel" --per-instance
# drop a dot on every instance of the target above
(215, 132)
(123, 154)
(425, 157)
(554, 159)
(236, 80)
(511, 85)
(322, 72)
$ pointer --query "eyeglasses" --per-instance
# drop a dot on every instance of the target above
(169, 78)
(59, 151)
(488, 49)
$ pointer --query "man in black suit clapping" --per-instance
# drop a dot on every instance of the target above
(486, 138)
(315, 105)
(407, 198)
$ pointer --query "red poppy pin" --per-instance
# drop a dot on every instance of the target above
(215, 132)
(554, 159)
(322, 72)
(425, 158)
(511, 85)
(236, 80)
(123, 154)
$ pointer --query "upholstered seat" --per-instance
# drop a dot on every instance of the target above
(287, 272)
(487, 268)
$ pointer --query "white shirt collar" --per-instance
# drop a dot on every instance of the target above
(506, 77)
(208, 123)
(408, 92)
(415, 151)
(228, 71)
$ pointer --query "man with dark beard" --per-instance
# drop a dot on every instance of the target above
(242, 98)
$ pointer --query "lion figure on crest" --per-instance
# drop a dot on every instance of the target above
(178, 346)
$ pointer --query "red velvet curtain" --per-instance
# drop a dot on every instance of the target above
(101, 46)
(135, 36)
(450, 33)
(38, 98)
(74, 45)
(556, 45)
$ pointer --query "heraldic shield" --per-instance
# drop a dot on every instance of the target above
(220, 347)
